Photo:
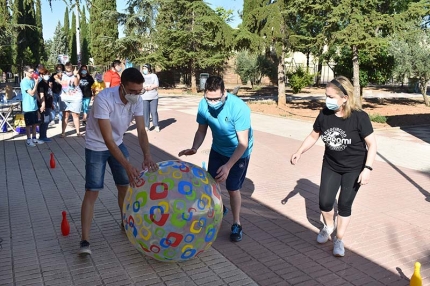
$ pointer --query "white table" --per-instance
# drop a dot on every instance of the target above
(6, 109)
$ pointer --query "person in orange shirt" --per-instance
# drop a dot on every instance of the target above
(112, 77)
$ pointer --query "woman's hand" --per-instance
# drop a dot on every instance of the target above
(295, 158)
(364, 177)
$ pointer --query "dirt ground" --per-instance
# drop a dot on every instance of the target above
(400, 112)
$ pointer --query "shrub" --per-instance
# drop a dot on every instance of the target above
(378, 118)
(300, 79)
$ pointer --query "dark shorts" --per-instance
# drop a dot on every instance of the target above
(95, 167)
(31, 118)
(237, 173)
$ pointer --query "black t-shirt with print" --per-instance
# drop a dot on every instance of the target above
(345, 148)
(85, 84)
(43, 87)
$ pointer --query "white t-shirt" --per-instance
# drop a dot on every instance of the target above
(108, 105)
(150, 79)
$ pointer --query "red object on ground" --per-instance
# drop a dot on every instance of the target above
(65, 227)
(52, 161)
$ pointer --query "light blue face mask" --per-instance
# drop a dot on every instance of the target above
(145, 71)
(331, 103)
(215, 106)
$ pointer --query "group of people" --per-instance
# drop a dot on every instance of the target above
(343, 126)
(70, 91)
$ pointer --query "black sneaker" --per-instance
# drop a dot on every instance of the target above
(236, 232)
(84, 248)
(224, 210)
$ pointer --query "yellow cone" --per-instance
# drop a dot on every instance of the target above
(416, 279)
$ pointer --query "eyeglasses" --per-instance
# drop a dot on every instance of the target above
(31, 71)
(214, 99)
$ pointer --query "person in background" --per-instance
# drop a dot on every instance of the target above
(98, 85)
(350, 149)
(71, 97)
(29, 106)
(85, 83)
(56, 91)
(150, 97)
(112, 77)
(46, 103)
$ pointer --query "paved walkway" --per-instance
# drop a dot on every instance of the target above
(388, 233)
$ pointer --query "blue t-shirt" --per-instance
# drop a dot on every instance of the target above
(29, 103)
(233, 117)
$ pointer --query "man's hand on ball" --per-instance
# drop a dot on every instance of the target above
(133, 174)
(149, 165)
(187, 152)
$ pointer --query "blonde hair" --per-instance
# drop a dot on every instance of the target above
(351, 103)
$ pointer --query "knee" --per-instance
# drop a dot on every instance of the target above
(326, 206)
(90, 197)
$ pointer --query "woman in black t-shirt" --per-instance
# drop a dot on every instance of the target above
(46, 103)
(350, 149)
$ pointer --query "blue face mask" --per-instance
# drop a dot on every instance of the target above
(145, 71)
(331, 103)
(216, 106)
(83, 72)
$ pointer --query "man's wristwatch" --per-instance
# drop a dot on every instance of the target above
(368, 167)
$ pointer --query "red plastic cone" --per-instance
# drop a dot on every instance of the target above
(65, 227)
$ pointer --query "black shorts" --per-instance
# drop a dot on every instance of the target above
(31, 118)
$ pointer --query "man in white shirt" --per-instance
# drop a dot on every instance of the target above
(109, 118)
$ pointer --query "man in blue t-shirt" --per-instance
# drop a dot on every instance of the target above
(29, 106)
(230, 121)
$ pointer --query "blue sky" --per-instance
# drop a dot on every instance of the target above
(51, 18)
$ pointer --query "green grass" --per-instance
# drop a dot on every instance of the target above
(378, 118)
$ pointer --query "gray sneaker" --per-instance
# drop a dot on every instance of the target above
(30, 143)
(339, 249)
(324, 234)
(38, 141)
(84, 248)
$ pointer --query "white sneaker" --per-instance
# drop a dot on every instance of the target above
(324, 234)
(339, 248)
(146, 129)
(30, 143)
(157, 129)
(37, 141)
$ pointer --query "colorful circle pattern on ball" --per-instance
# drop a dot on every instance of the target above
(173, 214)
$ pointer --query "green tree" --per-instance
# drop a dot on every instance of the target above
(364, 25)
(411, 51)
(72, 43)
(24, 13)
(264, 28)
(6, 31)
(190, 36)
(84, 36)
(66, 28)
(226, 15)
(59, 45)
(252, 67)
(39, 26)
(104, 30)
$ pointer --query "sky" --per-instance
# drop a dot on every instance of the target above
(50, 17)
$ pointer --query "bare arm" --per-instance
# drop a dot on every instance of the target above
(144, 144)
(309, 141)
(106, 130)
(199, 137)
(370, 140)
(33, 91)
(224, 170)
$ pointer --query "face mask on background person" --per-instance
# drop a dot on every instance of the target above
(69, 73)
(145, 71)
(99, 78)
(331, 103)
(46, 77)
(118, 68)
(84, 72)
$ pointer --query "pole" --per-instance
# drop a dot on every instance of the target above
(78, 36)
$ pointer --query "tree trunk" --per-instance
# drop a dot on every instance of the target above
(282, 99)
(193, 77)
(423, 87)
(356, 73)
(318, 83)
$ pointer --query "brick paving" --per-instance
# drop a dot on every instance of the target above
(389, 229)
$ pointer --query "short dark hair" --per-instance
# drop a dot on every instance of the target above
(68, 64)
(116, 63)
(27, 68)
(148, 66)
(59, 66)
(132, 75)
(213, 83)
